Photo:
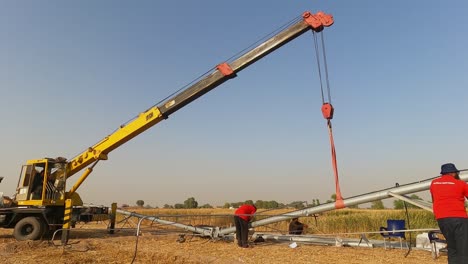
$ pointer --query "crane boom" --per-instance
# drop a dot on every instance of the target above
(222, 73)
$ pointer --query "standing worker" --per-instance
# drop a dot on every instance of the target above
(242, 217)
(448, 197)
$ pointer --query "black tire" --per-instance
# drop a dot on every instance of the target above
(29, 228)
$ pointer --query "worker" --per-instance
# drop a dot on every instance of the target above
(37, 185)
(242, 216)
(5, 201)
(448, 196)
(296, 227)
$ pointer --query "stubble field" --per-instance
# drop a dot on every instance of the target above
(90, 243)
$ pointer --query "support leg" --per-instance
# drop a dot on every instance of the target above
(66, 221)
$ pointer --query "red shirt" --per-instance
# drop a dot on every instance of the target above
(448, 195)
(245, 211)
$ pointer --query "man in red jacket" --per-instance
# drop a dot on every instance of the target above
(448, 196)
(242, 217)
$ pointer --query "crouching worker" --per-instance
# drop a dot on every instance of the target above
(5, 201)
(242, 216)
(296, 227)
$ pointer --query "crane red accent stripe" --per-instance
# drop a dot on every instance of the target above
(225, 69)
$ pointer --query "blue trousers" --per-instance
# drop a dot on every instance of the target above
(455, 231)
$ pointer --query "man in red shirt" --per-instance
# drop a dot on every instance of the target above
(448, 196)
(242, 217)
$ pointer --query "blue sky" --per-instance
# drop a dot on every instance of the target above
(72, 72)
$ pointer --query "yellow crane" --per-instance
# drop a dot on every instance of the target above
(43, 203)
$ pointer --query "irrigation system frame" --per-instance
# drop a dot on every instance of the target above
(398, 192)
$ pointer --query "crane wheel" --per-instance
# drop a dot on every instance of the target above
(29, 228)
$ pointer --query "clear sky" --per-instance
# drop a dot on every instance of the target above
(72, 71)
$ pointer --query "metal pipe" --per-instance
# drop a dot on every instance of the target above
(198, 230)
(318, 240)
(409, 200)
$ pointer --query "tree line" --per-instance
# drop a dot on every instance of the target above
(191, 203)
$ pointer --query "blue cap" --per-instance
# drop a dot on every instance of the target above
(448, 168)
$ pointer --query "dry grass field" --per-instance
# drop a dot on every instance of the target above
(89, 243)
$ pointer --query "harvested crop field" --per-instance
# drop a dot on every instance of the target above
(99, 247)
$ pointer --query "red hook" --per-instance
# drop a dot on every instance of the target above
(327, 111)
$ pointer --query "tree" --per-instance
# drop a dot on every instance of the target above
(315, 202)
(297, 204)
(226, 205)
(167, 206)
(266, 204)
(377, 205)
(190, 203)
(399, 204)
(178, 206)
(333, 198)
(236, 205)
(140, 203)
(206, 206)
(272, 204)
(249, 202)
(260, 204)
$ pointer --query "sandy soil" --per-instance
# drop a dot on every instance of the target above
(99, 247)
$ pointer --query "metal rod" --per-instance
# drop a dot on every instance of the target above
(318, 240)
(198, 230)
(411, 201)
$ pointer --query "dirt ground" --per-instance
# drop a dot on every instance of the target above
(91, 246)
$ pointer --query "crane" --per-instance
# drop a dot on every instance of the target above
(42, 201)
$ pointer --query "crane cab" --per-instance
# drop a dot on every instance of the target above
(41, 183)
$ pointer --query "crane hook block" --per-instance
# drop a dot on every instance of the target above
(327, 111)
(225, 69)
(317, 21)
